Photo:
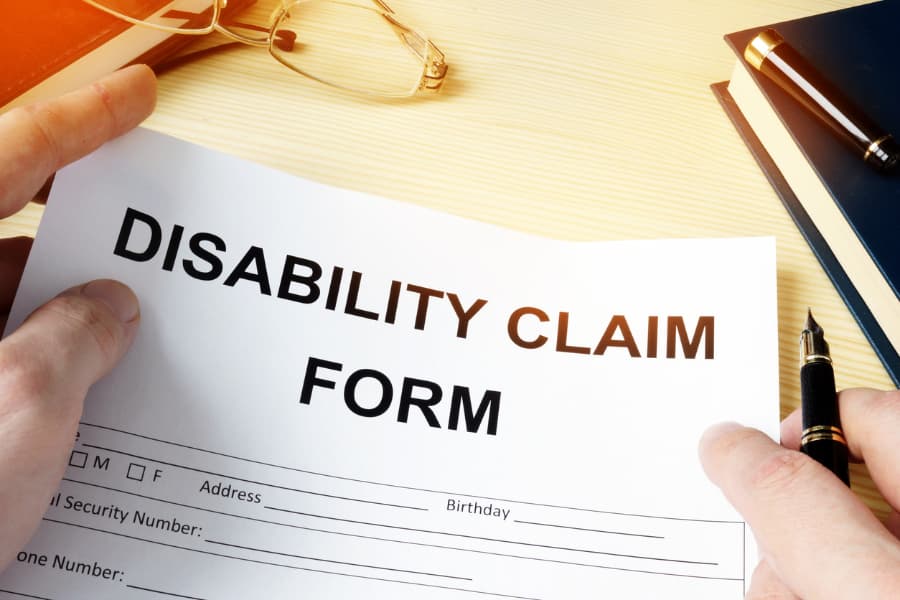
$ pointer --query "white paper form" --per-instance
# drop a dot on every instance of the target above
(333, 395)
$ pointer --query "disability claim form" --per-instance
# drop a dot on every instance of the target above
(333, 395)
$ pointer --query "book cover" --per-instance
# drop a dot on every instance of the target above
(850, 211)
(49, 47)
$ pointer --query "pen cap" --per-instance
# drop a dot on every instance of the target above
(771, 55)
(885, 154)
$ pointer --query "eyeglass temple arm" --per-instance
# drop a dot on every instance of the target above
(435, 67)
(285, 39)
(384, 6)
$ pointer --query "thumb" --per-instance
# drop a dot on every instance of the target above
(46, 368)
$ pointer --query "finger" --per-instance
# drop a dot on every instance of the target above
(39, 139)
(816, 534)
(892, 522)
(765, 584)
(871, 423)
(13, 253)
(42, 194)
(791, 430)
(46, 367)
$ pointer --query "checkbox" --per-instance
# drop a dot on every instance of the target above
(78, 459)
(136, 472)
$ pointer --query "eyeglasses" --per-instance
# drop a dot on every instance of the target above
(350, 46)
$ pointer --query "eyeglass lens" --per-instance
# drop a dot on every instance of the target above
(351, 46)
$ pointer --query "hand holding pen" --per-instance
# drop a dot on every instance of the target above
(818, 539)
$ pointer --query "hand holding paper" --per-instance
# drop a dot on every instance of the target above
(786, 498)
(48, 364)
(403, 404)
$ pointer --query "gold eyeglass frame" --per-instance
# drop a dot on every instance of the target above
(434, 68)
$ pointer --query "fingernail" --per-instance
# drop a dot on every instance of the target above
(721, 428)
(715, 431)
(117, 296)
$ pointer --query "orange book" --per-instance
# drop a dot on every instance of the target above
(48, 47)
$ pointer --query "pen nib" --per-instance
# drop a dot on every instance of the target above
(811, 324)
(812, 341)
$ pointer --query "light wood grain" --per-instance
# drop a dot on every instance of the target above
(587, 120)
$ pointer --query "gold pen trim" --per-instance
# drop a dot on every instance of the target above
(822, 432)
(760, 47)
(876, 146)
(811, 358)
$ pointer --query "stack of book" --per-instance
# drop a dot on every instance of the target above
(48, 47)
(847, 211)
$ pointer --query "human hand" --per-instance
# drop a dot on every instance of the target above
(817, 539)
(48, 364)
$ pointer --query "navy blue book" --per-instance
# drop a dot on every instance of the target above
(847, 211)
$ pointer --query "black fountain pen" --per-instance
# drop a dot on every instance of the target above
(822, 437)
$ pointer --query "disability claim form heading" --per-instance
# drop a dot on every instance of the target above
(333, 395)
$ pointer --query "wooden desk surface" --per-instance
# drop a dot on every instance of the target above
(591, 120)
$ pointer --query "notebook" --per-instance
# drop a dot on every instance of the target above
(847, 211)
(49, 47)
